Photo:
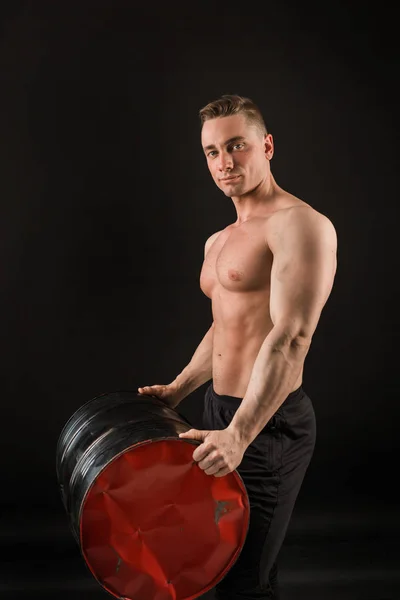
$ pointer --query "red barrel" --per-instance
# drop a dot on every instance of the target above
(149, 522)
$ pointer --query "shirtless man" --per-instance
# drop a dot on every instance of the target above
(268, 275)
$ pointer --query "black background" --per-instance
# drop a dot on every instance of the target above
(107, 202)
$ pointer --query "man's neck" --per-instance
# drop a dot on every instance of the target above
(257, 203)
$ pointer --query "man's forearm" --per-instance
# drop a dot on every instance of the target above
(199, 369)
(274, 373)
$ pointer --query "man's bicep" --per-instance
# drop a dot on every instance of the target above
(302, 273)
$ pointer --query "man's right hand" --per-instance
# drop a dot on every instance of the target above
(171, 394)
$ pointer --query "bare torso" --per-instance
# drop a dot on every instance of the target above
(236, 277)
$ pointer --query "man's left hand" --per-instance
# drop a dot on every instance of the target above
(220, 453)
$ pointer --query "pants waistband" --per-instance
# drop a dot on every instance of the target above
(234, 401)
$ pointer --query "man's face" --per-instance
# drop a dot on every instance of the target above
(237, 153)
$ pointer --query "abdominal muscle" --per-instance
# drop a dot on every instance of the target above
(241, 324)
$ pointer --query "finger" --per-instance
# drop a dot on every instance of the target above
(201, 452)
(213, 461)
(191, 433)
(150, 389)
(222, 472)
(186, 434)
(213, 468)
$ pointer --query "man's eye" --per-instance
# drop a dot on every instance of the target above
(237, 145)
(211, 153)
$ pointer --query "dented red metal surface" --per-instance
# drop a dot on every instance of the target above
(154, 526)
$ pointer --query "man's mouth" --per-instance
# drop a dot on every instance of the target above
(229, 178)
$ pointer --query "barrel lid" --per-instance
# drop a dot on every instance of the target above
(153, 524)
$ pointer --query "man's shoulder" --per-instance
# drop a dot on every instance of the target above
(300, 224)
(300, 214)
(211, 239)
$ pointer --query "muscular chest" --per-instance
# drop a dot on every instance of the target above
(239, 260)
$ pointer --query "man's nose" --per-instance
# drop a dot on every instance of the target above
(225, 161)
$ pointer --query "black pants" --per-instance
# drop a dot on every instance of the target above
(272, 469)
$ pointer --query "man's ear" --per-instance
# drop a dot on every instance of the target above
(268, 146)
